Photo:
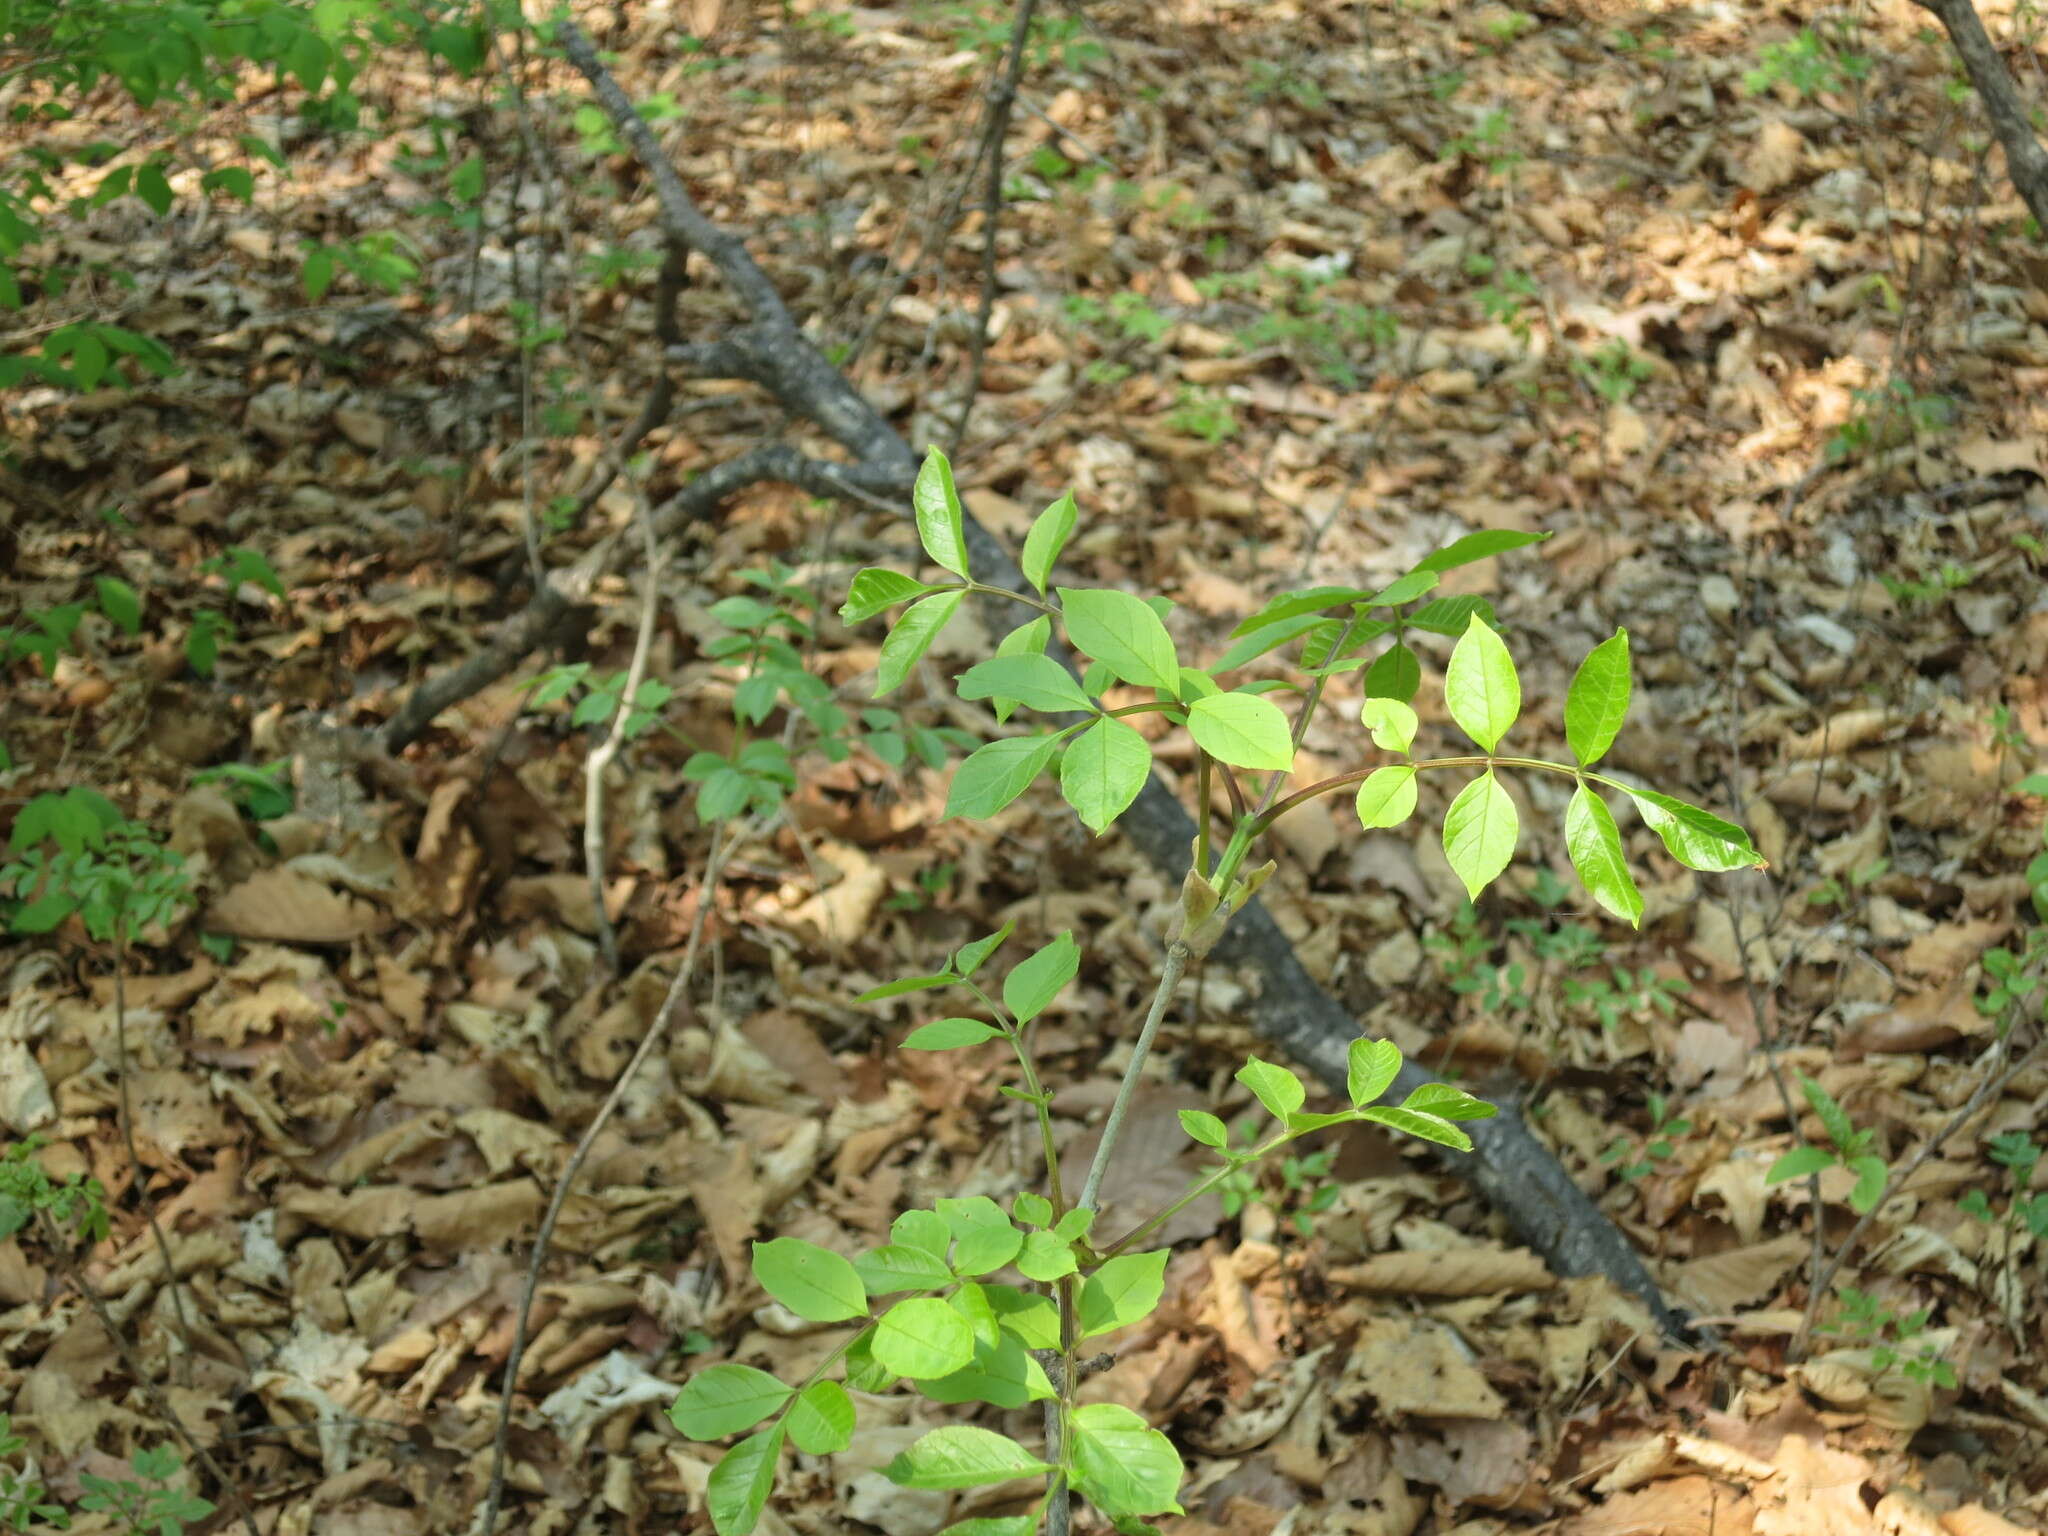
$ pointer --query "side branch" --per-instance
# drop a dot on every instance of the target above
(2025, 159)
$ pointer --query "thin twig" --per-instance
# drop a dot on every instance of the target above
(714, 864)
(2026, 161)
(1000, 107)
(127, 1120)
(1987, 1092)
(602, 754)
(74, 1272)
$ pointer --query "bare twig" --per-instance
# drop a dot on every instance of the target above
(1997, 1073)
(2026, 161)
(714, 863)
(161, 1405)
(602, 754)
(127, 1119)
(1001, 104)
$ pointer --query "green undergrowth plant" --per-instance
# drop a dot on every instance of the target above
(1300, 1189)
(73, 852)
(1846, 1147)
(144, 1504)
(974, 1301)
(1590, 983)
(760, 654)
(1633, 1158)
(1862, 1321)
(177, 60)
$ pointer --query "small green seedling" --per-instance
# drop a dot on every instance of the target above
(1657, 1147)
(1864, 1322)
(1847, 1148)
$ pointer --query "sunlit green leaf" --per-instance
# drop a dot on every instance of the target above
(1597, 704)
(940, 517)
(1479, 833)
(1481, 689)
(1594, 843)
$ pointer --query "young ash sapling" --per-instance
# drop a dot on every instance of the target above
(965, 1330)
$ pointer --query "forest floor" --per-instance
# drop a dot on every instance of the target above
(1739, 310)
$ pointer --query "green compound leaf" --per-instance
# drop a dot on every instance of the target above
(1045, 1258)
(1307, 603)
(1048, 536)
(1387, 797)
(119, 602)
(968, 961)
(962, 1456)
(863, 1372)
(1479, 546)
(1405, 590)
(815, 1283)
(1391, 722)
(1002, 1373)
(1871, 1176)
(912, 636)
(993, 1525)
(949, 1035)
(820, 1421)
(1263, 638)
(1121, 1292)
(1243, 730)
(1121, 1464)
(1396, 673)
(1833, 1118)
(1427, 1127)
(1481, 689)
(1205, 1128)
(1372, 1069)
(1278, 1089)
(940, 518)
(1037, 979)
(1594, 842)
(724, 1400)
(922, 1229)
(1447, 1101)
(905, 984)
(1598, 701)
(900, 1267)
(923, 1337)
(738, 1487)
(1800, 1163)
(1695, 838)
(1450, 615)
(994, 775)
(1479, 833)
(1123, 633)
(1033, 1319)
(1036, 682)
(1034, 1210)
(984, 1238)
(1104, 769)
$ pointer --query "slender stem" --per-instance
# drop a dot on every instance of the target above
(722, 846)
(1312, 697)
(1987, 1091)
(1041, 1101)
(1198, 1189)
(1202, 814)
(1000, 106)
(984, 590)
(1237, 805)
(1177, 957)
(1472, 760)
